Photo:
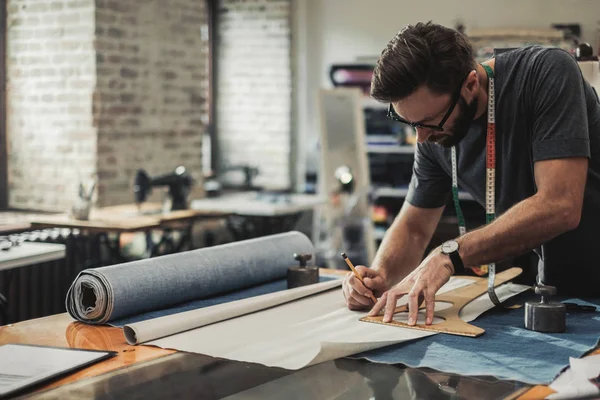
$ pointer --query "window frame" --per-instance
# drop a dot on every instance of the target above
(3, 113)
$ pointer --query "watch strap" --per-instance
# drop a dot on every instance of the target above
(456, 261)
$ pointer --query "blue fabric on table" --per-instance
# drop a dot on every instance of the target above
(270, 287)
(506, 350)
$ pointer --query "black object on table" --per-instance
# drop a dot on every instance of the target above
(3, 310)
(302, 274)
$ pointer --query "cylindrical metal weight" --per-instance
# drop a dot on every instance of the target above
(302, 276)
(547, 317)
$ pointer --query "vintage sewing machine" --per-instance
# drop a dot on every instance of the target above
(179, 183)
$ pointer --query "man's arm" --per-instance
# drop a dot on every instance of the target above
(403, 247)
(553, 210)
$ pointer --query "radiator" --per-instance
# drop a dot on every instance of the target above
(39, 290)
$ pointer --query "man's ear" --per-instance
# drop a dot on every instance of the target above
(472, 82)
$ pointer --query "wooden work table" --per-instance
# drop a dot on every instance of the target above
(15, 221)
(106, 225)
(125, 218)
(62, 331)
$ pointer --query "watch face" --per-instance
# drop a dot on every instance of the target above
(449, 246)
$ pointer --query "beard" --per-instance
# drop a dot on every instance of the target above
(461, 126)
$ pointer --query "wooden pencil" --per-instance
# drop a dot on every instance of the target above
(356, 273)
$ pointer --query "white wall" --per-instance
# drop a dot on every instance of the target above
(338, 31)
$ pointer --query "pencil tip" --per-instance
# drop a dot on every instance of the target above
(344, 255)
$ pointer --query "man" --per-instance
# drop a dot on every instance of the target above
(547, 168)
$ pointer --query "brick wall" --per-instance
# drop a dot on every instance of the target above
(50, 80)
(254, 87)
(150, 105)
(106, 87)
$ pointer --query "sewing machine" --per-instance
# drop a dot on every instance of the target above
(179, 183)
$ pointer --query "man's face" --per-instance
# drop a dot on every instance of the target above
(458, 130)
(425, 107)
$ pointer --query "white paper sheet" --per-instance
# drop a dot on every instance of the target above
(575, 382)
(308, 331)
(157, 328)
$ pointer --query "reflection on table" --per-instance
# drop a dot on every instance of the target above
(184, 375)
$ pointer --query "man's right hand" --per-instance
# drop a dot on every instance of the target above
(358, 296)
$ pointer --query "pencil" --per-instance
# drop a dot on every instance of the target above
(356, 273)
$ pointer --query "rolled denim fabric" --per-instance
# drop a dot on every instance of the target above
(100, 295)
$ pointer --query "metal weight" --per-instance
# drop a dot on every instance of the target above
(545, 316)
(302, 275)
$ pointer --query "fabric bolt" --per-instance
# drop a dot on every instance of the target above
(101, 295)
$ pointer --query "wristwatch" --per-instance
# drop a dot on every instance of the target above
(450, 248)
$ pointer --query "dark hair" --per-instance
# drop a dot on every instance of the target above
(423, 54)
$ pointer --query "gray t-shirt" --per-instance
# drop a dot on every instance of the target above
(544, 110)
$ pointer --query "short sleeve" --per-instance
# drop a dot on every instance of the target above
(560, 125)
(430, 185)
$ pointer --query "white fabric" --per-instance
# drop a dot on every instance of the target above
(576, 382)
(309, 331)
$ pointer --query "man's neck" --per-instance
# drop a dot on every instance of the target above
(482, 99)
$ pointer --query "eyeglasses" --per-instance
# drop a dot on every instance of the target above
(439, 127)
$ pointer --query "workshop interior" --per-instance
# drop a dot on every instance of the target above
(187, 187)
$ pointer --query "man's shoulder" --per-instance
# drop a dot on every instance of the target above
(536, 56)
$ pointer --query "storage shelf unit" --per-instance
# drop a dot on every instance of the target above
(402, 192)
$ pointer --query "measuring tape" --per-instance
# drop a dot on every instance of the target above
(490, 183)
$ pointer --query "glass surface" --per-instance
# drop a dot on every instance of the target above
(184, 375)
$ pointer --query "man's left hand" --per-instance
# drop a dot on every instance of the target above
(423, 283)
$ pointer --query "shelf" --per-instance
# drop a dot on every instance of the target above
(402, 192)
(391, 192)
(390, 149)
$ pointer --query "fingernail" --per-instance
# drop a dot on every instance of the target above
(386, 319)
(428, 321)
(411, 321)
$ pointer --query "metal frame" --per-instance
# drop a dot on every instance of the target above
(3, 136)
(212, 8)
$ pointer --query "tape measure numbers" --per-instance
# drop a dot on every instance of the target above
(490, 182)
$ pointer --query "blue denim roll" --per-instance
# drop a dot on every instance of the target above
(100, 295)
